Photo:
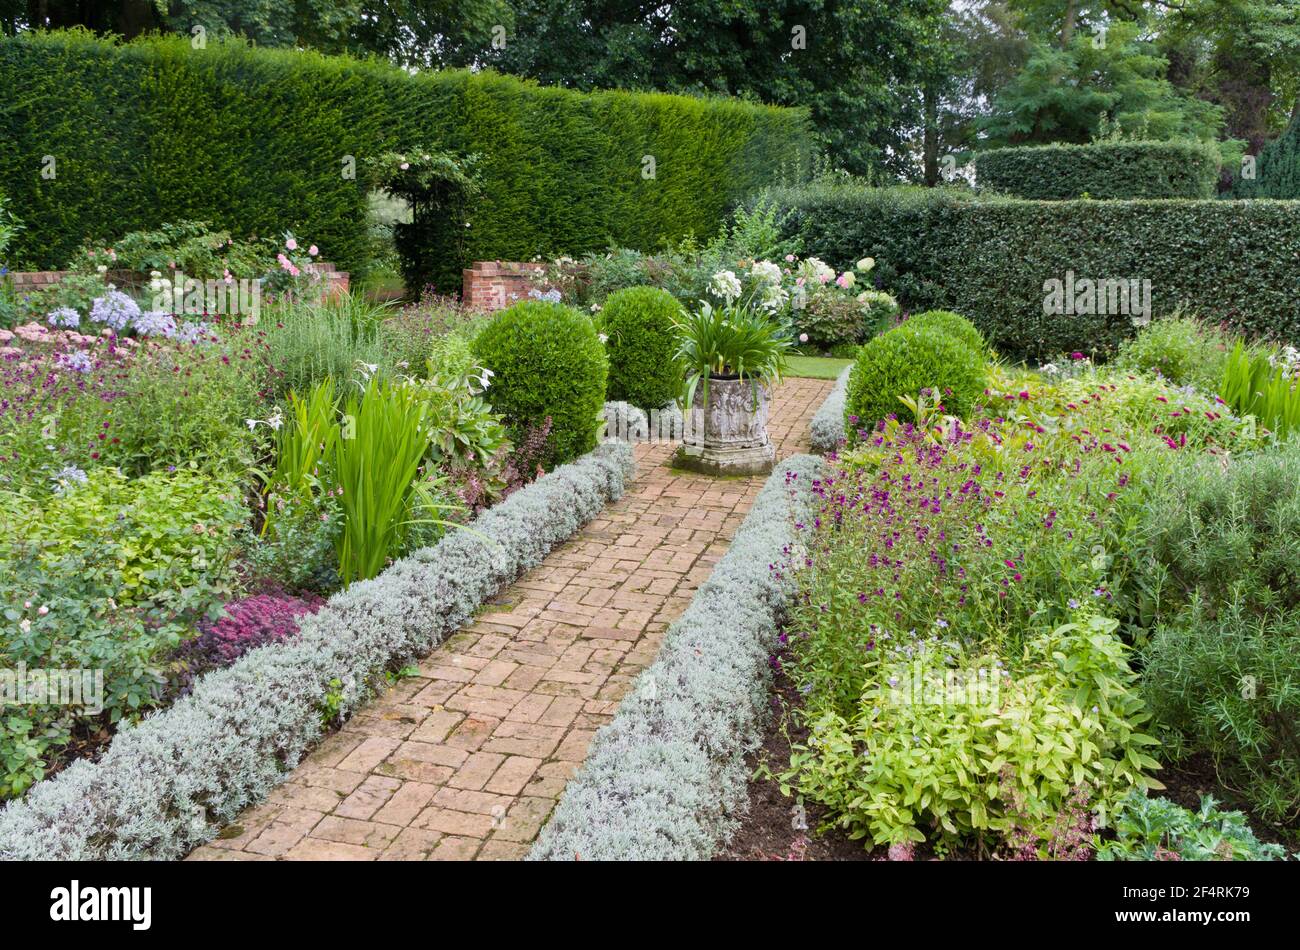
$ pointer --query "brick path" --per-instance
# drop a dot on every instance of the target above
(467, 759)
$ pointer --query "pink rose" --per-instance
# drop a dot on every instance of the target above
(313, 250)
(291, 244)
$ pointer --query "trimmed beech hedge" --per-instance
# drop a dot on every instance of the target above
(173, 781)
(1101, 170)
(989, 258)
(256, 140)
(667, 779)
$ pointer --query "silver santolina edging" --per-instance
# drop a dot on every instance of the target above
(170, 783)
(667, 778)
(828, 421)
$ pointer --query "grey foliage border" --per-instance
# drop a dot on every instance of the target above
(171, 782)
(828, 422)
(666, 779)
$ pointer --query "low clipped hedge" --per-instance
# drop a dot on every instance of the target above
(904, 361)
(827, 426)
(667, 778)
(173, 781)
(1101, 170)
(285, 135)
(640, 324)
(548, 363)
(990, 258)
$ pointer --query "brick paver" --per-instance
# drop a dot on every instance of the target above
(467, 759)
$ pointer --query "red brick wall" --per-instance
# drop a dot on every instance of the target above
(491, 285)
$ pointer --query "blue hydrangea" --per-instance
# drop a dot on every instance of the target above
(64, 317)
(155, 323)
(79, 361)
(192, 332)
(115, 309)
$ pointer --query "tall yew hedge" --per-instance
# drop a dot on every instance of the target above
(255, 141)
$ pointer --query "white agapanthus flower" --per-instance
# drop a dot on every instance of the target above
(725, 284)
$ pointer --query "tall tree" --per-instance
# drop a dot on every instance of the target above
(843, 59)
(1113, 81)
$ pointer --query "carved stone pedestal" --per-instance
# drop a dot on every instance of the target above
(729, 435)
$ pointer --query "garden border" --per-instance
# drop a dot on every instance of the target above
(666, 778)
(171, 782)
(827, 426)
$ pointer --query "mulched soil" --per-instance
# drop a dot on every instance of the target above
(768, 832)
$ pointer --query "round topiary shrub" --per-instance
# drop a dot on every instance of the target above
(953, 324)
(548, 362)
(905, 361)
(642, 347)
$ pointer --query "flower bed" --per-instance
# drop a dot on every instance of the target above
(664, 780)
(171, 782)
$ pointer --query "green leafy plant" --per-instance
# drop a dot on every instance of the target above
(377, 455)
(731, 342)
(1229, 686)
(1181, 349)
(639, 324)
(919, 755)
(1252, 385)
(547, 362)
(1156, 829)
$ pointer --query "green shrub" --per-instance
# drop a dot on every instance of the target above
(991, 258)
(1156, 829)
(1229, 535)
(905, 361)
(832, 318)
(1229, 685)
(547, 361)
(953, 324)
(171, 533)
(286, 132)
(1101, 170)
(640, 326)
(308, 343)
(907, 762)
(1182, 350)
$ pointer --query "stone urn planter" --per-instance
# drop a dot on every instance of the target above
(728, 434)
